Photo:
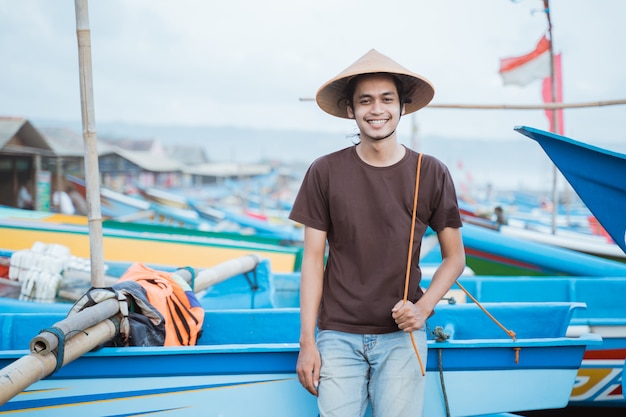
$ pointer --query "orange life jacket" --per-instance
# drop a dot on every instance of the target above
(174, 299)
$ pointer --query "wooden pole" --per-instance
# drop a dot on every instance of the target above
(29, 369)
(92, 174)
(545, 106)
(553, 114)
(77, 322)
(225, 270)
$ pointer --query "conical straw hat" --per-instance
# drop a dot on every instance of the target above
(418, 90)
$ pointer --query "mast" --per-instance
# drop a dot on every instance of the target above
(555, 202)
(92, 173)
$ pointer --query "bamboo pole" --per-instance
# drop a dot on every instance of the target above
(17, 376)
(92, 174)
(46, 341)
(221, 272)
(545, 106)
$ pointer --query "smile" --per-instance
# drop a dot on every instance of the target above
(378, 121)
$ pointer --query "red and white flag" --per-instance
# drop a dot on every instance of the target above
(523, 70)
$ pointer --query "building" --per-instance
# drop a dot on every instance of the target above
(42, 159)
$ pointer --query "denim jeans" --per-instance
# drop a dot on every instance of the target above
(379, 370)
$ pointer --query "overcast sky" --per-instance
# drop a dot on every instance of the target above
(248, 62)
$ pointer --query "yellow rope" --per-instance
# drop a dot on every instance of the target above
(511, 333)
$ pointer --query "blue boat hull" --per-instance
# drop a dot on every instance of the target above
(245, 362)
(599, 380)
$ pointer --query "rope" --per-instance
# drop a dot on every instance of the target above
(193, 277)
(410, 255)
(511, 333)
(60, 346)
(254, 285)
(443, 385)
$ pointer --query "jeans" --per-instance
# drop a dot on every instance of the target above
(379, 370)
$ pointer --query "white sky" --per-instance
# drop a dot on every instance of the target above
(247, 62)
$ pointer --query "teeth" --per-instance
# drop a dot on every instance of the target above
(377, 122)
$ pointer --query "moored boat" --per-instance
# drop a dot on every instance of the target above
(248, 357)
(598, 381)
(153, 244)
(596, 174)
(489, 252)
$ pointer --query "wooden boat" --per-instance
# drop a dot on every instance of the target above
(598, 382)
(585, 243)
(252, 318)
(113, 204)
(260, 288)
(152, 244)
(489, 252)
(247, 357)
(157, 206)
(596, 174)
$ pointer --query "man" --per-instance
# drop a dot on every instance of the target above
(360, 200)
(25, 198)
(62, 203)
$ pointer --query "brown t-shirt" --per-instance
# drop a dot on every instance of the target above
(367, 212)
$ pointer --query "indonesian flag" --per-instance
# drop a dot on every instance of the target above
(522, 70)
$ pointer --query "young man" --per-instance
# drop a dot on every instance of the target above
(360, 200)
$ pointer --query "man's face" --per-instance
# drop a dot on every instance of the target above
(376, 107)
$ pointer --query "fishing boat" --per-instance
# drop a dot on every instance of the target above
(598, 382)
(596, 174)
(581, 233)
(252, 318)
(246, 358)
(267, 291)
(489, 252)
(186, 210)
(151, 244)
(596, 245)
(259, 287)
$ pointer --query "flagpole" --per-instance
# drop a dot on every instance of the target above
(555, 203)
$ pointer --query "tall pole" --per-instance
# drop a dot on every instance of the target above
(555, 202)
(414, 133)
(92, 173)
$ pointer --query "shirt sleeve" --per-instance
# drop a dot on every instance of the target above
(310, 207)
(446, 213)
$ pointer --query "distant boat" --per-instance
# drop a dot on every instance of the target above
(597, 175)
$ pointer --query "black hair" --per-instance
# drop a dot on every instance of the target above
(348, 96)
